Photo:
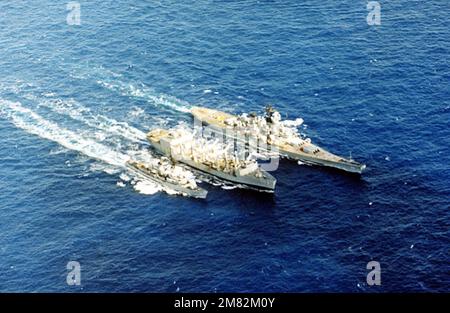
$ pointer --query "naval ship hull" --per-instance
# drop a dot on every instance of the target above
(195, 193)
(306, 153)
(265, 183)
(330, 160)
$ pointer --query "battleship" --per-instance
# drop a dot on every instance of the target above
(168, 175)
(210, 158)
(273, 132)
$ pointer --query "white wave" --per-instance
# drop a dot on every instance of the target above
(135, 112)
(124, 177)
(112, 161)
(58, 150)
(86, 143)
(146, 93)
(228, 187)
(33, 123)
(147, 187)
(104, 167)
(116, 82)
(80, 113)
(293, 123)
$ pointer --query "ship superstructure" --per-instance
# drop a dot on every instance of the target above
(168, 175)
(211, 158)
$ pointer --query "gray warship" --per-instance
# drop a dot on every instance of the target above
(166, 174)
(181, 146)
(270, 130)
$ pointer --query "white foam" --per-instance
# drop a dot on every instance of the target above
(227, 187)
(143, 92)
(125, 177)
(117, 83)
(146, 187)
(171, 192)
(58, 150)
(104, 167)
(80, 113)
(135, 112)
(33, 123)
(86, 141)
(293, 123)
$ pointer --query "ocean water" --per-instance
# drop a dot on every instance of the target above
(77, 100)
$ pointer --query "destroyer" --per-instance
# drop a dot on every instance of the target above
(168, 175)
(210, 158)
(273, 132)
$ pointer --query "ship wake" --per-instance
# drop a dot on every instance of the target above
(117, 83)
(33, 123)
(85, 141)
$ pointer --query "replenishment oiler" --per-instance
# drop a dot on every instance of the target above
(273, 132)
(211, 158)
(168, 175)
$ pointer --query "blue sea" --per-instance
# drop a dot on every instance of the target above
(76, 99)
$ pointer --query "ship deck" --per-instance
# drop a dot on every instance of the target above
(306, 152)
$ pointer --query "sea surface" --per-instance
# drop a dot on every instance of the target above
(77, 100)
